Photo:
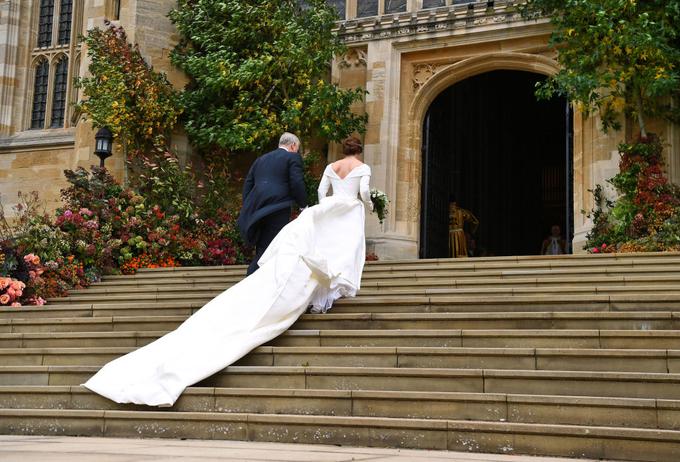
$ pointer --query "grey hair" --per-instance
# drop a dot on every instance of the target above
(288, 139)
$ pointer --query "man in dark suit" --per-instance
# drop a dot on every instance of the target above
(274, 183)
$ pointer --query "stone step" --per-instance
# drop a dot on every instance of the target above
(443, 282)
(528, 382)
(665, 301)
(471, 338)
(474, 263)
(434, 282)
(599, 259)
(493, 407)
(415, 274)
(458, 435)
(95, 295)
(630, 321)
(585, 359)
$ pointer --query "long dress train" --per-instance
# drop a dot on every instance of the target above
(314, 260)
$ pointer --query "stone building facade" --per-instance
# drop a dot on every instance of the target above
(404, 53)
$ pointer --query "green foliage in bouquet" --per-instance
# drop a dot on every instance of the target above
(380, 204)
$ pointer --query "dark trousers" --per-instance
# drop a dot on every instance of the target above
(269, 227)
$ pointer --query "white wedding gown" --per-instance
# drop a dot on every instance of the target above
(314, 260)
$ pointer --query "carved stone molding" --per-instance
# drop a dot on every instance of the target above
(423, 72)
(37, 139)
(497, 19)
(424, 22)
(355, 57)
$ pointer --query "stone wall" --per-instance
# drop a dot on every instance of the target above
(34, 160)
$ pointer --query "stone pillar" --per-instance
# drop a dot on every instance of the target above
(596, 159)
(9, 41)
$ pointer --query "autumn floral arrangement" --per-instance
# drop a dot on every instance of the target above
(646, 215)
(103, 228)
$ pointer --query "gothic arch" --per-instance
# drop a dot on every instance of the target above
(449, 75)
(439, 79)
(56, 58)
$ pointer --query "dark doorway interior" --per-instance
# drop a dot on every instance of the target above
(503, 155)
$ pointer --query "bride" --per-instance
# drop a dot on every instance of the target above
(314, 260)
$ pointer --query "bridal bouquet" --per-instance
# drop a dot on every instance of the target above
(380, 204)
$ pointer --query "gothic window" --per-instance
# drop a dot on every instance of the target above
(65, 13)
(51, 87)
(367, 8)
(395, 6)
(59, 95)
(42, 73)
(340, 6)
(45, 23)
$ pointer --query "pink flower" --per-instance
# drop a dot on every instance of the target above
(32, 259)
(91, 224)
(596, 250)
(18, 285)
(39, 301)
(68, 214)
(15, 304)
(4, 283)
(604, 246)
(4, 299)
(11, 293)
(84, 211)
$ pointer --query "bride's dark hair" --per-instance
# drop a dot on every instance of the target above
(352, 146)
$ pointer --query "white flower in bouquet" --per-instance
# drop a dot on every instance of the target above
(380, 204)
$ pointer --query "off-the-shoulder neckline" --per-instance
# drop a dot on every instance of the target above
(330, 169)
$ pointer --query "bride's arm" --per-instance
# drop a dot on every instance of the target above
(365, 191)
(324, 186)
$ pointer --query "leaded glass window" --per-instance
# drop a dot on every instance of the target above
(42, 74)
(367, 8)
(65, 13)
(395, 6)
(340, 6)
(433, 3)
(45, 23)
(59, 98)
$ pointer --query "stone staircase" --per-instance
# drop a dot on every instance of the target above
(573, 356)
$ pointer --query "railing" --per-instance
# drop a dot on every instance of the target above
(352, 9)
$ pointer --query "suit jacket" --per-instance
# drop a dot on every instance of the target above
(275, 181)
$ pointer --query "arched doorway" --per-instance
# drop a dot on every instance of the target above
(502, 155)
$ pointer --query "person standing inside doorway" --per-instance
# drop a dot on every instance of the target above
(554, 244)
(457, 218)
